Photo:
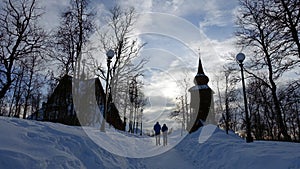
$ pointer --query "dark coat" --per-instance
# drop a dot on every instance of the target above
(157, 128)
(164, 128)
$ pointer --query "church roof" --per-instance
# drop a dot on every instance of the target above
(201, 78)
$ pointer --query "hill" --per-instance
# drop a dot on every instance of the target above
(33, 144)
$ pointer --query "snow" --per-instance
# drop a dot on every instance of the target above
(33, 144)
(130, 145)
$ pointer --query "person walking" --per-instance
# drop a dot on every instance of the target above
(157, 129)
(164, 130)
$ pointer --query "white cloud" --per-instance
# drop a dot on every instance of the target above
(174, 30)
(53, 9)
(140, 6)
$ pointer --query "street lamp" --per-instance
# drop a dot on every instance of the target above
(110, 54)
(240, 58)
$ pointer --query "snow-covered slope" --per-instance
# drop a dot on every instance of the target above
(31, 144)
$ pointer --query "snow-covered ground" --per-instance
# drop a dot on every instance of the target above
(28, 144)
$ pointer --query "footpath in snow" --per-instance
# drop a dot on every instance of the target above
(32, 144)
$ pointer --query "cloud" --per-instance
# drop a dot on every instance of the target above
(174, 30)
(140, 6)
(53, 10)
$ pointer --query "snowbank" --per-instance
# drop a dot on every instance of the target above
(32, 144)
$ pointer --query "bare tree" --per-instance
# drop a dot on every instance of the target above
(72, 36)
(290, 106)
(257, 108)
(179, 113)
(20, 36)
(126, 63)
(184, 83)
(227, 98)
(259, 32)
(286, 15)
(16, 98)
(33, 81)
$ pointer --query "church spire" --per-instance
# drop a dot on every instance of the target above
(200, 68)
(200, 78)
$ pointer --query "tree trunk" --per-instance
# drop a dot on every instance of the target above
(282, 127)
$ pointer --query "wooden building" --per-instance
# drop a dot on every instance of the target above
(82, 104)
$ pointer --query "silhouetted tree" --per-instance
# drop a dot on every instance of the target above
(269, 52)
(125, 65)
(72, 36)
(286, 15)
(20, 37)
(226, 106)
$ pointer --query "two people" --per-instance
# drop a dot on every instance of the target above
(157, 128)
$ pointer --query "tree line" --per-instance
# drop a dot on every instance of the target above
(33, 59)
(268, 31)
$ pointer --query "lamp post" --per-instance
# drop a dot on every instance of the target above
(131, 97)
(240, 58)
(110, 54)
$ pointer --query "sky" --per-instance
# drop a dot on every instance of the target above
(175, 31)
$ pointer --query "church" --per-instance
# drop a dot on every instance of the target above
(86, 108)
(201, 103)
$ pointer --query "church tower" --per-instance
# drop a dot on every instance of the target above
(201, 99)
(201, 78)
